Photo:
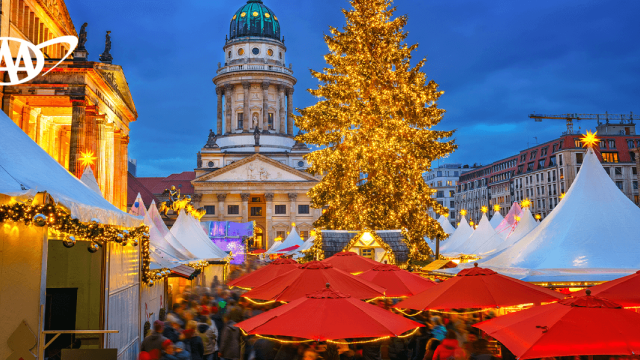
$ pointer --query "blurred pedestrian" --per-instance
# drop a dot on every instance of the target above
(192, 342)
(431, 347)
(155, 339)
(449, 349)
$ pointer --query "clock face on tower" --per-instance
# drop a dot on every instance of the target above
(270, 52)
(240, 51)
(255, 51)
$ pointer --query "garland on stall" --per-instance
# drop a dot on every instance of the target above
(58, 219)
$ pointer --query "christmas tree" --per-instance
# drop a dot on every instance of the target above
(372, 127)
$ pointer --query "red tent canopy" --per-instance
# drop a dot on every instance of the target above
(290, 248)
(351, 262)
(258, 251)
(312, 277)
(479, 288)
(328, 315)
(264, 274)
(624, 291)
(398, 282)
(587, 325)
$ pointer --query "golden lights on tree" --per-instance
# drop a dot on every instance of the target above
(372, 127)
(590, 140)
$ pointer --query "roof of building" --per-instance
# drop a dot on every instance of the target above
(334, 241)
(157, 185)
(135, 187)
(254, 19)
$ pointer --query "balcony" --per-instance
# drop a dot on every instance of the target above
(254, 67)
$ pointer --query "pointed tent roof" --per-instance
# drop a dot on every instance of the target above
(89, 179)
(154, 217)
(27, 169)
(506, 227)
(483, 233)
(592, 232)
(497, 243)
(446, 225)
(189, 235)
(292, 239)
(461, 235)
(305, 246)
(138, 208)
(496, 219)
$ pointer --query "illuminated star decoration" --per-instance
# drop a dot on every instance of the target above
(517, 218)
(496, 207)
(562, 195)
(525, 203)
(463, 212)
(590, 140)
(87, 158)
(484, 209)
(538, 217)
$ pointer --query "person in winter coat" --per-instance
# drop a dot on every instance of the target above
(171, 331)
(480, 350)
(209, 336)
(232, 342)
(265, 349)
(439, 331)
(193, 342)
(168, 351)
(432, 345)
(398, 349)
(449, 349)
(180, 352)
(155, 339)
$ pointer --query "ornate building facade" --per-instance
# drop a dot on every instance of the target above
(251, 168)
(82, 107)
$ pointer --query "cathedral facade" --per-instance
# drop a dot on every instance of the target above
(252, 168)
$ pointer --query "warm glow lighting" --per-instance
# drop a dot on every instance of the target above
(463, 212)
(484, 209)
(590, 140)
(87, 158)
(538, 217)
(471, 223)
(525, 203)
(496, 207)
(517, 218)
(366, 238)
(562, 195)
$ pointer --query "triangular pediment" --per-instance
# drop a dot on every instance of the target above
(114, 77)
(256, 168)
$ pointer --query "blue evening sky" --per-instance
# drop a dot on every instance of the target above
(496, 60)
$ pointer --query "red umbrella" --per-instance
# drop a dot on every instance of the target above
(351, 262)
(587, 325)
(398, 282)
(624, 291)
(264, 274)
(479, 288)
(328, 315)
(290, 248)
(312, 277)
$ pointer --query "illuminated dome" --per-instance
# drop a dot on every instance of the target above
(254, 19)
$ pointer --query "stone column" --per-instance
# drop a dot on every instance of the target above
(265, 105)
(117, 168)
(228, 95)
(246, 116)
(245, 207)
(219, 92)
(91, 133)
(293, 210)
(221, 209)
(25, 121)
(124, 171)
(76, 141)
(269, 234)
(109, 156)
(282, 113)
(101, 152)
(290, 111)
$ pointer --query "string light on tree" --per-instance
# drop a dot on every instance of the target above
(373, 130)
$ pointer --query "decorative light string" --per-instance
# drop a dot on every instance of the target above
(412, 332)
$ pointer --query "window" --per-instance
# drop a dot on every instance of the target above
(233, 209)
(270, 120)
(538, 204)
(555, 147)
(552, 161)
(543, 152)
(368, 253)
(637, 199)
(303, 209)
(255, 51)
(256, 211)
(240, 120)
(530, 166)
(452, 215)
(542, 204)
(610, 157)
(281, 209)
(635, 185)
(439, 183)
(612, 144)
(630, 144)
(579, 157)
(520, 168)
(439, 173)
(603, 144)
(562, 187)
(452, 204)
(455, 173)
(440, 194)
(542, 189)
(210, 209)
(304, 235)
(555, 192)
(537, 178)
(523, 157)
(255, 199)
(281, 234)
(634, 170)
(577, 143)
(618, 170)
(578, 169)
(633, 156)
(560, 159)
(449, 183)
(541, 163)
(561, 174)
(452, 193)
(620, 185)
(533, 155)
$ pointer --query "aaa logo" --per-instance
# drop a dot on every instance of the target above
(24, 61)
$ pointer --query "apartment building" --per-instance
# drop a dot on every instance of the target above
(444, 180)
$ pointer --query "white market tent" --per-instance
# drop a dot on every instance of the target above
(458, 238)
(483, 233)
(592, 235)
(89, 179)
(138, 208)
(507, 225)
(205, 237)
(292, 239)
(26, 169)
(496, 243)
(191, 236)
(305, 246)
(496, 219)
(153, 217)
(446, 225)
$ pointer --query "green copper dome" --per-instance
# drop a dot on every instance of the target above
(254, 19)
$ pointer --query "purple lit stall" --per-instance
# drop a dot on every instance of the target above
(228, 236)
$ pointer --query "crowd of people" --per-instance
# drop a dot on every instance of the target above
(201, 326)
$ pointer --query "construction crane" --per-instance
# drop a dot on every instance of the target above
(569, 118)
